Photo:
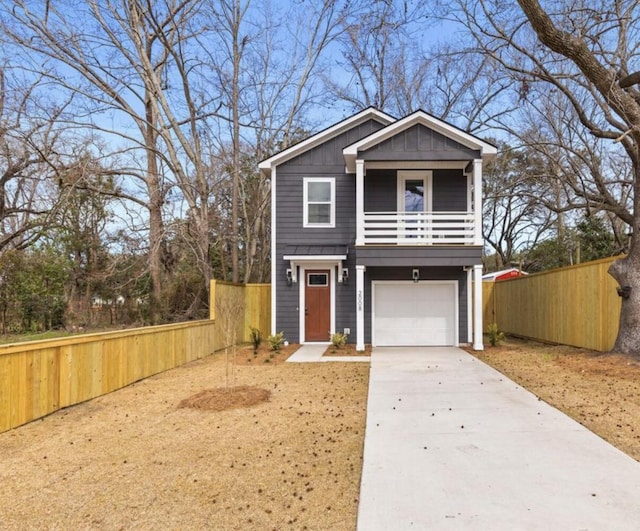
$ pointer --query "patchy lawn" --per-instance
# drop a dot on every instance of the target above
(135, 459)
(287, 454)
(601, 391)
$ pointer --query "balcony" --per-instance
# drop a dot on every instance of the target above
(418, 228)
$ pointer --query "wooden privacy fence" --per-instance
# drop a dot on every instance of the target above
(40, 377)
(238, 307)
(576, 305)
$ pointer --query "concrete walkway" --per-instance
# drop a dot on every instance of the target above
(452, 444)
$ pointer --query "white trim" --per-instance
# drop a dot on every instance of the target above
(360, 304)
(359, 202)
(417, 165)
(477, 201)
(315, 258)
(427, 178)
(469, 305)
(274, 269)
(305, 202)
(268, 165)
(456, 311)
(331, 267)
(350, 152)
(477, 310)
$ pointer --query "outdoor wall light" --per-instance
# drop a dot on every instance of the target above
(624, 291)
(345, 276)
(289, 277)
(416, 275)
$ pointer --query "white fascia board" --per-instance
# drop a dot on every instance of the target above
(315, 140)
(315, 258)
(487, 150)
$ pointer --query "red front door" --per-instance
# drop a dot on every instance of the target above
(317, 298)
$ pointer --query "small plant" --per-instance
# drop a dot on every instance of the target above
(275, 341)
(255, 336)
(495, 335)
(338, 340)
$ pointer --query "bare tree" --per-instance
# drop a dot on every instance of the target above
(30, 156)
(121, 54)
(515, 217)
(584, 50)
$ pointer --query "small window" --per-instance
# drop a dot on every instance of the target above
(317, 279)
(319, 202)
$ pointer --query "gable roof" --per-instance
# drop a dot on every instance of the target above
(488, 151)
(324, 135)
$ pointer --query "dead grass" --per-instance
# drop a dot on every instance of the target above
(134, 459)
(601, 391)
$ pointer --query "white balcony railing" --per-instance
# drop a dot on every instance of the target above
(419, 228)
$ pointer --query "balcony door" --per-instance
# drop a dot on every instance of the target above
(414, 199)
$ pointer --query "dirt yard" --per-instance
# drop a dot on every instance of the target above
(601, 391)
(134, 459)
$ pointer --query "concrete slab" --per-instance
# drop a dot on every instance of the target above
(453, 444)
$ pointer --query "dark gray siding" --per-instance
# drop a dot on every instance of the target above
(416, 255)
(288, 298)
(380, 191)
(346, 301)
(449, 191)
(426, 273)
(328, 156)
(325, 160)
(419, 143)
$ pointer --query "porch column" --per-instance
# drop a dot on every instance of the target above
(359, 202)
(477, 308)
(360, 269)
(477, 202)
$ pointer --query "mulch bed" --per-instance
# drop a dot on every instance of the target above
(222, 398)
(348, 350)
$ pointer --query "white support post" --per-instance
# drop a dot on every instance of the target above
(360, 269)
(359, 202)
(477, 202)
(477, 308)
(469, 305)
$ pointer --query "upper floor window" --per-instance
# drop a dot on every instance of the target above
(319, 202)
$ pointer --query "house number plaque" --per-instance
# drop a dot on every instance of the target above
(360, 300)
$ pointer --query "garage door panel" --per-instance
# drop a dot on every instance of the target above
(409, 314)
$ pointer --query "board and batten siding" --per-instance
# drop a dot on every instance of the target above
(449, 191)
(419, 143)
(426, 273)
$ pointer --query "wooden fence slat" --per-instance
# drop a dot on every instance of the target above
(576, 305)
(40, 377)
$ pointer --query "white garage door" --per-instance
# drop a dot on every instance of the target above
(409, 314)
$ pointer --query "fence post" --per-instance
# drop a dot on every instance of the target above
(212, 300)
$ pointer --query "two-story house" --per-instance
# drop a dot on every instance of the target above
(377, 231)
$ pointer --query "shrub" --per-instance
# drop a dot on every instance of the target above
(495, 335)
(338, 340)
(255, 336)
(275, 341)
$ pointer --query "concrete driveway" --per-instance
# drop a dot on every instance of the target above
(453, 444)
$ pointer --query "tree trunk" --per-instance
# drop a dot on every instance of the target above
(156, 227)
(627, 272)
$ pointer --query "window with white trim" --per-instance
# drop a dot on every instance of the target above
(319, 202)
